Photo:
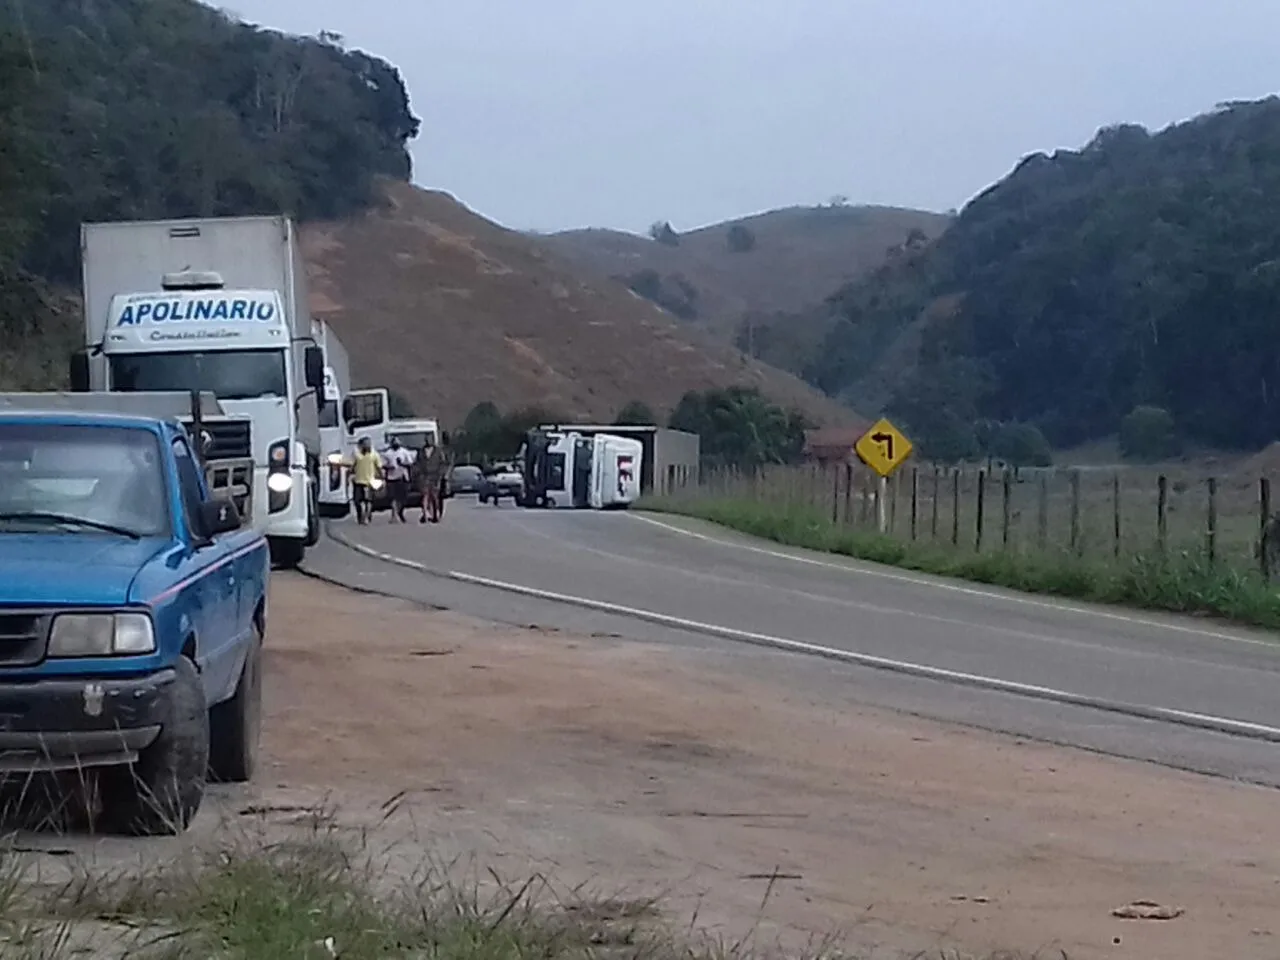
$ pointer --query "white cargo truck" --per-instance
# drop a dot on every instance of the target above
(335, 445)
(567, 469)
(217, 305)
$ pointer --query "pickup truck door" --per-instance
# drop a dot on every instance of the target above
(211, 590)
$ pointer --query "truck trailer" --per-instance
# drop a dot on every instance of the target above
(216, 305)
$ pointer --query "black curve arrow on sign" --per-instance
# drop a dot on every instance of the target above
(885, 440)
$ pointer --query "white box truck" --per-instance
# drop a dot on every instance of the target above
(335, 446)
(217, 305)
(567, 469)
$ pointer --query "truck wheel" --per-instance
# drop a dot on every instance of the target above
(234, 724)
(160, 793)
(313, 517)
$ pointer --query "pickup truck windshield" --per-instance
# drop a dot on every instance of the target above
(228, 374)
(81, 479)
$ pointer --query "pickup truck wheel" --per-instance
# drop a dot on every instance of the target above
(234, 724)
(160, 793)
(313, 517)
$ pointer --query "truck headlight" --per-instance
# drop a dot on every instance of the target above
(279, 482)
(101, 635)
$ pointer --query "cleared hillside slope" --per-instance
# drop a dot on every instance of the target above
(450, 309)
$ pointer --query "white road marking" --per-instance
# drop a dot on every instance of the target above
(1046, 638)
(868, 571)
(1226, 725)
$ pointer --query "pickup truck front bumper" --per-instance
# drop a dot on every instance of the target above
(66, 723)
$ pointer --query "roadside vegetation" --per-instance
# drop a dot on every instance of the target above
(314, 896)
(1103, 539)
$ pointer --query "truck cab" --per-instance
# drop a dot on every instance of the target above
(133, 605)
(565, 469)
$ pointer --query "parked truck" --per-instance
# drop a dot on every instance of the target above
(219, 305)
(567, 469)
(335, 442)
(133, 605)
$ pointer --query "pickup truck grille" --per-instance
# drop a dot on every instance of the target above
(231, 438)
(23, 636)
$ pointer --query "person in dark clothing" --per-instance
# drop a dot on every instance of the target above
(428, 470)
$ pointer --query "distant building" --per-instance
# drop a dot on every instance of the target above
(832, 445)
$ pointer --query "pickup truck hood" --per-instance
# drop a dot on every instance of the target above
(70, 569)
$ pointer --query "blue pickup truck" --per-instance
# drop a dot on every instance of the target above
(133, 605)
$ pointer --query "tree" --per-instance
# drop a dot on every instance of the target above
(1020, 445)
(739, 427)
(740, 239)
(662, 232)
(1149, 434)
(636, 413)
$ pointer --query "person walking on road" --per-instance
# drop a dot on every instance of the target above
(428, 471)
(365, 471)
(396, 462)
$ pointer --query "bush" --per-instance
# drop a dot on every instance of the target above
(1149, 434)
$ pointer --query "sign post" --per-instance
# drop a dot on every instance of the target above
(883, 448)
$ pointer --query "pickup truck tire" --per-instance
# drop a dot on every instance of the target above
(234, 723)
(287, 553)
(313, 516)
(160, 793)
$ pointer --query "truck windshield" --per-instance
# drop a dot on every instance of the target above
(228, 374)
(415, 439)
(81, 479)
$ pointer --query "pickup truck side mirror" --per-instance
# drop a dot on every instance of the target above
(219, 516)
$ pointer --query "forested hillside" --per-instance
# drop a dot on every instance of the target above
(115, 109)
(1140, 271)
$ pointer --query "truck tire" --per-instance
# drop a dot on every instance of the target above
(234, 724)
(287, 553)
(160, 794)
(313, 516)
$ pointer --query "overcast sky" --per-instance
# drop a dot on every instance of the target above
(548, 114)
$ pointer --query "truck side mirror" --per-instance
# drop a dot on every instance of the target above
(79, 371)
(313, 361)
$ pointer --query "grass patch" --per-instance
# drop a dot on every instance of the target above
(312, 899)
(1178, 581)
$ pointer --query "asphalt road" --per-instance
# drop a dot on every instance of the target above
(698, 581)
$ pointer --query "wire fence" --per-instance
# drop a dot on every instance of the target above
(1103, 512)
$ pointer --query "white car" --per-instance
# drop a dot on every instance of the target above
(501, 480)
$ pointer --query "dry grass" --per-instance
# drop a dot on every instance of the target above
(451, 309)
(802, 255)
(318, 893)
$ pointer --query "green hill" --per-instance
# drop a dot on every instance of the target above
(1142, 270)
(158, 108)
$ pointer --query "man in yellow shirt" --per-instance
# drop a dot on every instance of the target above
(365, 472)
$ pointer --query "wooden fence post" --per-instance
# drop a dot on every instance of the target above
(848, 494)
(1264, 525)
(895, 484)
(1211, 527)
(835, 496)
(937, 492)
(1042, 513)
(1115, 509)
(915, 500)
(1162, 512)
(1006, 494)
(1075, 511)
(955, 508)
(977, 527)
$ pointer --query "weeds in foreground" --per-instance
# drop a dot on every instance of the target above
(312, 897)
(1180, 582)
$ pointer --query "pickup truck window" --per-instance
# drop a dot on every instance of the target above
(81, 479)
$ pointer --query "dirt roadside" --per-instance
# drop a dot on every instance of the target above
(641, 769)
